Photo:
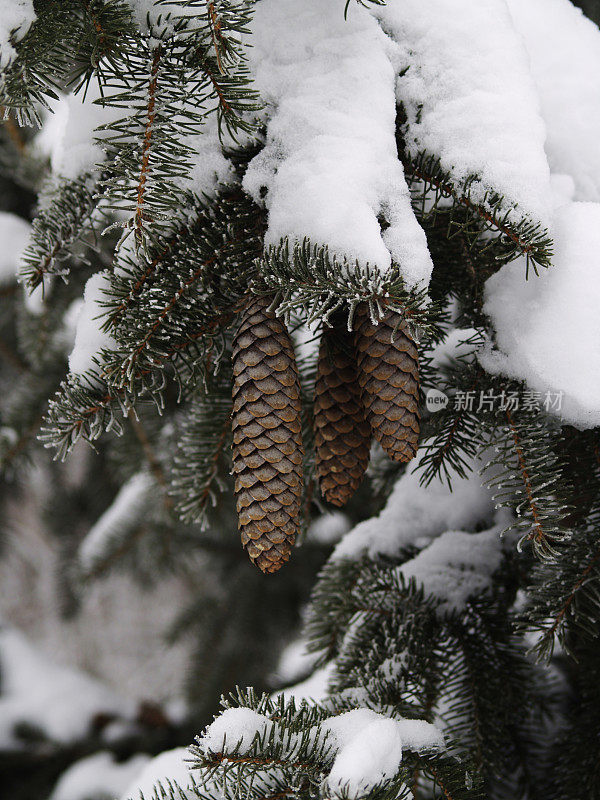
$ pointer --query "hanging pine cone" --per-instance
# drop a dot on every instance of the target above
(342, 434)
(267, 436)
(388, 375)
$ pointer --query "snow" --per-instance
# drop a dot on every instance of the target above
(469, 96)
(328, 528)
(564, 47)
(14, 235)
(69, 136)
(132, 502)
(295, 661)
(167, 769)
(90, 339)
(330, 163)
(547, 327)
(98, 776)
(369, 748)
(413, 512)
(235, 729)
(456, 566)
(145, 11)
(455, 345)
(313, 689)
(16, 17)
(57, 700)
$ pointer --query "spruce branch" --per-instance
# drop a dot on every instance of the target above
(512, 234)
(203, 433)
(68, 216)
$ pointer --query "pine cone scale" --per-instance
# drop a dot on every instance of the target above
(388, 374)
(342, 434)
(267, 442)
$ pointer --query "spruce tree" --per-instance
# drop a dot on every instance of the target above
(271, 233)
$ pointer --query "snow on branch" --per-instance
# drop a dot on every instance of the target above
(564, 48)
(118, 522)
(465, 87)
(329, 170)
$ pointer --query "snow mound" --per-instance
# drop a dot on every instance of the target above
(169, 769)
(16, 17)
(330, 167)
(456, 566)
(131, 501)
(98, 776)
(466, 87)
(547, 331)
(14, 235)
(90, 339)
(369, 748)
(557, 34)
(413, 512)
(58, 701)
(234, 729)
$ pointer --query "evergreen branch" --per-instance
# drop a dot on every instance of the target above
(204, 431)
(523, 237)
(145, 154)
(564, 599)
(524, 473)
(312, 281)
(539, 534)
(454, 431)
(153, 463)
(67, 216)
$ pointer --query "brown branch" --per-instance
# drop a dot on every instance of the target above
(539, 536)
(215, 32)
(559, 617)
(109, 397)
(218, 758)
(150, 116)
(216, 87)
(438, 780)
(96, 23)
(464, 201)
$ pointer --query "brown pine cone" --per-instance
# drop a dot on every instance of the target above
(388, 375)
(267, 436)
(342, 434)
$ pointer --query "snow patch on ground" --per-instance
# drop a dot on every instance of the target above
(57, 700)
(98, 776)
(330, 165)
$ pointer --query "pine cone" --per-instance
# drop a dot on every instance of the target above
(388, 375)
(267, 436)
(342, 434)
